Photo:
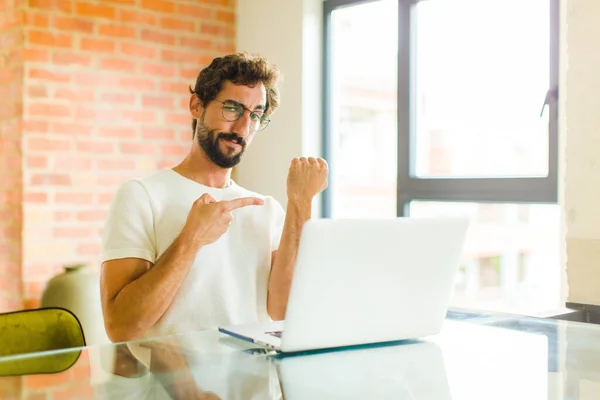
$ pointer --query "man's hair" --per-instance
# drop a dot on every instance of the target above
(241, 69)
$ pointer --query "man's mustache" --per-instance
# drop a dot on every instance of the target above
(233, 137)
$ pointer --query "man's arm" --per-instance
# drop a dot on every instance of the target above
(135, 294)
(284, 259)
(306, 179)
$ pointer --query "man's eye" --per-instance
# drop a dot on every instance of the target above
(231, 108)
(256, 117)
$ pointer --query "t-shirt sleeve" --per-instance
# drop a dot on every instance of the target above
(129, 228)
(277, 220)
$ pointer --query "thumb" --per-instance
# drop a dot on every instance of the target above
(206, 199)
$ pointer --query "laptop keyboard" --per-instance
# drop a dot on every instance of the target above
(275, 333)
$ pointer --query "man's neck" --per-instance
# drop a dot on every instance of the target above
(198, 167)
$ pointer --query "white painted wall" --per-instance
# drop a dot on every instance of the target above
(581, 184)
(288, 33)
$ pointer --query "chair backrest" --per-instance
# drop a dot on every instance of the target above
(39, 330)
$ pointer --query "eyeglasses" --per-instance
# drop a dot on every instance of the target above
(232, 111)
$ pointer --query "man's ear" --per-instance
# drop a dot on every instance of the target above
(196, 108)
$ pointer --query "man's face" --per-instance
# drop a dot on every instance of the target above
(225, 141)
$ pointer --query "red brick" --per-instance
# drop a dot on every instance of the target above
(95, 147)
(128, 2)
(191, 57)
(94, 10)
(177, 24)
(189, 73)
(219, 2)
(43, 144)
(44, 38)
(35, 197)
(159, 5)
(110, 180)
(184, 119)
(118, 98)
(37, 91)
(65, 6)
(137, 84)
(78, 95)
(186, 135)
(36, 55)
(118, 31)
(48, 75)
(225, 48)
(136, 50)
(37, 162)
(11, 20)
(138, 148)
(184, 103)
(9, 163)
(73, 24)
(110, 132)
(198, 12)
(167, 71)
(176, 88)
(70, 128)
(226, 16)
(116, 164)
(68, 58)
(36, 19)
(174, 150)
(158, 37)
(71, 162)
(105, 198)
(118, 64)
(96, 79)
(74, 198)
(88, 249)
(73, 232)
(157, 101)
(94, 113)
(139, 116)
(136, 17)
(97, 45)
(49, 110)
(195, 43)
(50, 180)
(157, 133)
(63, 216)
(216, 30)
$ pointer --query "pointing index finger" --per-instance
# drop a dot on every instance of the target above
(231, 205)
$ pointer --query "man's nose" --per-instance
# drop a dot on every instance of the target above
(242, 126)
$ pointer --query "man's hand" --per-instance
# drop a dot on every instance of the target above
(306, 179)
(209, 219)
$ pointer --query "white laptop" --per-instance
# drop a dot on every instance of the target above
(363, 281)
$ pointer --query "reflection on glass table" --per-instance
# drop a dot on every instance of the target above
(477, 356)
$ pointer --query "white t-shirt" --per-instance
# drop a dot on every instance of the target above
(228, 281)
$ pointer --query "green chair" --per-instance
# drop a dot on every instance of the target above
(39, 330)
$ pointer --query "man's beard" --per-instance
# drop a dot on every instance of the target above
(209, 142)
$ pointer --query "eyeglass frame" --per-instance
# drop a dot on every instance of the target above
(244, 108)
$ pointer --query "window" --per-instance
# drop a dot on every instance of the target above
(439, 107)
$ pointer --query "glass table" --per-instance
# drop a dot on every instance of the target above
(476, 356)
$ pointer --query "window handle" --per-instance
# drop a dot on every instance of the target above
(551, 96)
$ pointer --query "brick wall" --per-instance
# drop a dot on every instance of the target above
(11, 81)
(105, 99)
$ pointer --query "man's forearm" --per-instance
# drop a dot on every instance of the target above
(137, 307)
(280, 280)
